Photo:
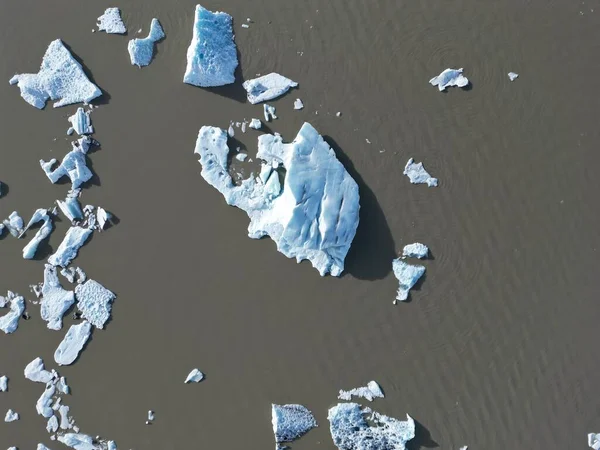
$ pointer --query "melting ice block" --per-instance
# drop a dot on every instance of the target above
(73, 166)
(11, 416)
(36, 372)
(60, 78)
(68, 350)
(56, 301)
(95, 302)
(10, 321)
(41, 215)
(448, 78)
(370, 391)
(291, 422)
(212, 54)
(68, 248)
(79, 441)
(415, 250)
(142, 50)
(417, 174)
(81, 122)
(3, 383)
(267, 87)
(315, 215)
(111, 22)
(195, 376)
(407, 275)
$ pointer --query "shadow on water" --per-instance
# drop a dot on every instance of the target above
(105, 97)
(422, 439)
(233, 91)
(373, 249)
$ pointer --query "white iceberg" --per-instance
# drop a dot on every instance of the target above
(3, 383)
(267, 87)
(52, 425)
(95, 302)
(78, 441)
(14, 224)
(44, 231)
(298, 104)
(417, 174)
(241, 157)
(448, 78)
(44, 403)
(142, 50)
(150, 416)
(71, 208)
(256, 124)
(35, 371)
(350, 430)
(62, 386)
(291, 422)
(195, 376)
(70, 245)
(513, 76)
(594, 440)
(212, 54)
(81, 122)
(73, 166)
(416, 250)
(103, 217)
(11, 416)
(56, 301)
(60, 78)
(316, 214)
(269, 112)
(370, 391)
(111, 22)
(73, 342)
(407, 276)
(10, 321)
(65, 422)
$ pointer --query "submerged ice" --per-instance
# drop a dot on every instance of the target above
(448, 78)
(142, 50)
(56, 301)
(69, 247)
(370, 391)
(95, 302)
(291, 422)
(111, 22)
(315, 214)
(417, 174)
(407, 275)
(267, 87)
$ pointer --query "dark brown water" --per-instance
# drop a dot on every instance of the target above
(498, 347)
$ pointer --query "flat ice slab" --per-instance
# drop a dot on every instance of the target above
(267, 87)
(73, 166)
(212, 54)
(594, 440)
(3, 383)
(60, 78)
(11, 416)
(95, 302)
(448, 78)
(73, 342)
(513, 76)
(416, 250)
(111, 22)
(56, 301)
(417, 174)
(195, 376)
(79, 441)
(142, 50)
(41, 215)
(35, 371)
(407, 275)
(291, 422)
(10, 321)
(81, 122)
(350, 431)
(315, 215)
(370, 391)
(70, 245)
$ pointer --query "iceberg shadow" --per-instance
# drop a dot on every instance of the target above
(95, 180)
(105, 97)
(234, 91)
(422, 439)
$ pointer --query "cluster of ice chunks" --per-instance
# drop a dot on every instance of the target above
(416, 250)
(371, 391)
(111, 22)
(267, 87)
(141, 51)
(291, 422)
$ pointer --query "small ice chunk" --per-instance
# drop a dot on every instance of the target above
(44, 403)
(103, 217)
(464, 447)
(267, 87)
(95, 302)
(14, 224)
(44, 231)
(350, 431)
(150, 416)
(71, 208)
(11, 416)
(338, 114)
(3, 383)
(448, 78)
(415, 250)
(52, 425)
(10, 321)
(70, 131)
(256, 124)
(513, 76)
(291, 422)
(111, 22)
(212, 54)
(370, 391)
(73, 342)
(56, 301)
(65, 423)
(142, 50)
(39, 446)
(78, 441)
(298, 104)
(241, 156)
(245, 25)
(418, 175)
(36, 372)
(231, 131)
(62, 386)
(269, 112)
(594, 440)
(60, 78)
(111, 445)
(407, 275)
(68, 248)
(57, 404)
(244, 123)
(81, 122)
(195, 376)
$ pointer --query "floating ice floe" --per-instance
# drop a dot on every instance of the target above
(594, 440)
(350, 430)
(267, 87)
(150, 416)
(41, 215)
(103, 217)
(65, 422)
(417, 174)
(142, 50)
(60, 78)
(56, 301)
(314, 217)
(35, 371)
(73, 342)
(3, 383)
(513, 76)
(70, 208)
(111, 22)
(212, 54)
(256, 124)
(11, 416)
(73, 166)
(415, 250)
(14, 224)
(74, 274)
(407, 275)
(195, 376)
(241, 156)
(291, 422)
(10, 321)
(448, 78)
(269, 112)
(79, 441)
(370, 391)
(44, 403)
(52, 425)
(81, 122)
(298, 104)
(70, 245)
(95, 302)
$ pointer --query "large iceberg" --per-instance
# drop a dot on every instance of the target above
(417, 174)
(10, 321)
(448, 78)
(315, 215)
(73, 342)
(60, 78)
(407, 275)
(111, 22)
(351, 431)
(212, 54)
(267, 87)
(41, 215)
(73, 166)
(291, 422)
(95, 302)
(142, 50)
(70, 245)
(56, 301)
(370, 391)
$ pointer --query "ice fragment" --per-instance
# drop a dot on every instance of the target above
(68, 248)
(65, 423)
(103, 217)
(95, 302)
(298, 104)
(43, 405)
(70, 208)
(142, 50)
(73, 342)
(150, 415)
(269, 112)
(513, 76)
(78, 441)
(35, 371)
(291, 422)
(407, 275)
(10, 321)
(3, 383)
(241, 156)
(370, 391)
(11, 416)
(418, 175)
(62, 386)
(39, 447)
(81, 122)
(415, 250)
(52, 425)
(267, 87)
(44, 231)
(256, 124)
(111, 22)
(195, 376)
(448, 78)
(73, 166)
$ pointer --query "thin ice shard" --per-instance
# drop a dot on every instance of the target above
(142, 50)
(267, 87)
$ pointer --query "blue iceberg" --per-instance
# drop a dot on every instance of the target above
(70, 245)
(212, 54)
(41, 215)
(142, 50)
(407, 276)
(291, 422)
